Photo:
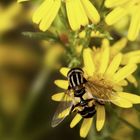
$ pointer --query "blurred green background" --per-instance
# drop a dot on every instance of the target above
(28, 67)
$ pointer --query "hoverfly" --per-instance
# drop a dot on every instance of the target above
(78, 88)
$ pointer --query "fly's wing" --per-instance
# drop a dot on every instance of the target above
(63, 109)
(100, 92)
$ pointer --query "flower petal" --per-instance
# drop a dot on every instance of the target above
(64, 113)
(131, 57)
(114, 65)
(118, 46)
(42, 11)
(64, 71)
(81, 15)
(75, 120)
(132, 80)
(113, 3)
(58, 96)
(100, 117)
(104, 60)
(71, 13)
(115, 15)
(117, 88)
(121, 102)
(88, 61)
(134, 27)
(124, 72)
(62, 83)
(50, 16)
(105, 43)
(91, 11)
(22, 0)
(123, 83)
(135, 99)
(86, 125)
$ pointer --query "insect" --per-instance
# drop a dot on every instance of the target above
(78, 88)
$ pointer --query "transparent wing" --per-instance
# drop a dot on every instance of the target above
(63, 109)
(100, 92)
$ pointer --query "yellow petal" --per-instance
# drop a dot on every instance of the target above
(64, 71)
(100, 117)
(118, 46)
(123, 83)
(71, 13)
(88, 61)
(82, 34)
(22, 0)
(50, 16)
(134, 27)
(121, 102)
(76, 120)
(61, 97)
(105, 43)
(114, 65)
(86, 125)
(58, 96)
(135, 99)
(124, 72)
(42, 11)
(91, 11)
(115, 15)
(104, 60)
(81, 15)
(135, 59)
(117, 88)
(132, 80)
(62, 83)
(132, 53)
(131, 57)
(64, 113)
(113, 3)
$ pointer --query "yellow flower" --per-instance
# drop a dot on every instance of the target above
(7, 16)
(116, 48)
(122, 8)
(101, 69)
(79, 12)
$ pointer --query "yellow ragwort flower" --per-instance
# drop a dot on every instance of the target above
(128, 57)
(101, 69)
(122, 8)
(79, 12)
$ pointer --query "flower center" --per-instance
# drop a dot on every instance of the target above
(100, 88)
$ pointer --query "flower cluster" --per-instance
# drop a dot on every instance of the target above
(106, 68)
(102, 66)
(122, 8)
(79, 13)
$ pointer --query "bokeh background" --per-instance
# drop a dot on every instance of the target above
(29, 63)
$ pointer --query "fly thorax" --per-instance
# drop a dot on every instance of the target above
(79, 92)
